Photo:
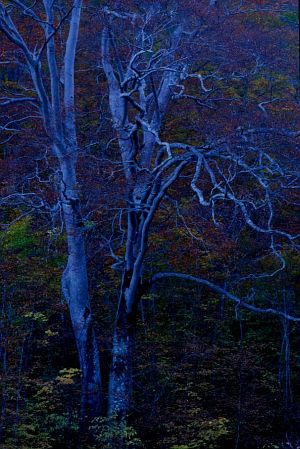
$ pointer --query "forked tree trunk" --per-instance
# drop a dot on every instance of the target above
(138, 136)
(75, 289)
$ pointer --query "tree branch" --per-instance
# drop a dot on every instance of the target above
(216, 288)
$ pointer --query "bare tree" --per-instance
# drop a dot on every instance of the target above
(142, 84)
(55, 104)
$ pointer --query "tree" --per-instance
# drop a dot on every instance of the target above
(54, 101)
(143, 79)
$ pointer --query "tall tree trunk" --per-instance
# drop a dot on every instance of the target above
(59, 118)
(120, 381)
(75, 289)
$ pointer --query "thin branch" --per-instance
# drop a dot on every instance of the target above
(17, 100)
(240, 302)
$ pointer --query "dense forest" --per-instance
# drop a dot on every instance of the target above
(149, 266)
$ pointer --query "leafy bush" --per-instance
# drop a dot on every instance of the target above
(110, 433)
